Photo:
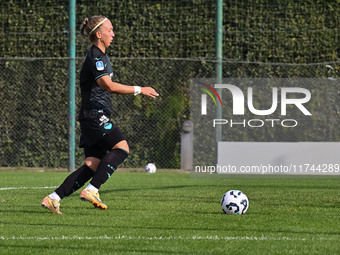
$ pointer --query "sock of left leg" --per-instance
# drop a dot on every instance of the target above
(91, 187)
(108, 166)
(74, 181)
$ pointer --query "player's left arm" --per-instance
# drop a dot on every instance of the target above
(114, 87)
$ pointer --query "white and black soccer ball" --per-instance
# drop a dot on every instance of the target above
(234, 202)
(150, 168)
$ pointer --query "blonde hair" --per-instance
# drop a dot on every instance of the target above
(89, 27)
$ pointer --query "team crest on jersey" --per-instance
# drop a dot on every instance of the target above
(100, 65)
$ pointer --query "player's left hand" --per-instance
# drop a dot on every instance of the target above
(148, 91)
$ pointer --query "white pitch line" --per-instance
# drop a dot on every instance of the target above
(22, 188)
(126, 237)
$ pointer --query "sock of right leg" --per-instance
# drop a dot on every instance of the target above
(55, 196)
(74, 181)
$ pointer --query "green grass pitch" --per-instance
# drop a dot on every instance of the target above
(168, 213)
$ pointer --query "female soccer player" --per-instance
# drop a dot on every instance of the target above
(105, 147)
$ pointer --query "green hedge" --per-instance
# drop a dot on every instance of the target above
(159, 43)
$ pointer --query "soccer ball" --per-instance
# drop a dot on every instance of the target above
(150, 168)
(234, 202)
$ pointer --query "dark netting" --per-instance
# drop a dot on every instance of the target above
(161, 43)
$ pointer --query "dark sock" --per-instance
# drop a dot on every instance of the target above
(108, 166)
(74, 181)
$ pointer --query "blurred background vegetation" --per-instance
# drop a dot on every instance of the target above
(163, 44)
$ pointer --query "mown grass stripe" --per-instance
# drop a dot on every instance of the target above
(195, 237)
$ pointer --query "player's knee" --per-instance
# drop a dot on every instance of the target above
(92, 163)
(123, 145)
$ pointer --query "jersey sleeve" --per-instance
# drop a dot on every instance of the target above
(99, 67)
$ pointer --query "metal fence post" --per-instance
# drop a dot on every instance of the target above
(72, 81)
(219, 61)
